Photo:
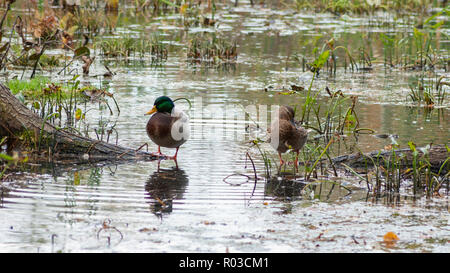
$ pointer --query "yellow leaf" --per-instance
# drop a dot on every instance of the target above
(390, 239)
(78, 114)
(183, 8)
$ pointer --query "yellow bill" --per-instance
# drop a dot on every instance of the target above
(152, 111)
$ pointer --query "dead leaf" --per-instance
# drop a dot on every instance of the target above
(148, 229)
(390, 239)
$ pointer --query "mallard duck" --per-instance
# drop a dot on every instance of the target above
(290, 135)
(169, 126)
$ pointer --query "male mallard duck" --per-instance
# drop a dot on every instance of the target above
(169, 126)
(290, 136)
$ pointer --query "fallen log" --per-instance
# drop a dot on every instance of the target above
(437, 156)
(56, 144)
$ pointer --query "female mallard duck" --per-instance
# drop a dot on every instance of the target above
(168, 127)
(290, 136)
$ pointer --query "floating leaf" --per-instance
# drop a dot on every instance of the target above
(390, 239)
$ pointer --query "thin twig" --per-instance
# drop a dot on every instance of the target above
(254, 171)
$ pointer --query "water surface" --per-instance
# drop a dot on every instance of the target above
(157, 207)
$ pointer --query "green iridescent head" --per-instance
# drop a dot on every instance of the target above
(162, 104)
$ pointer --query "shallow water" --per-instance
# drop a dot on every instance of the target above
(156, 207)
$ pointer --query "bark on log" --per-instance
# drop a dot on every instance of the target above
(437, 156)
(15, 118)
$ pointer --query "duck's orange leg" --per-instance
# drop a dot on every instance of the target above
(159, 152)
(281, 159)
(175, 156)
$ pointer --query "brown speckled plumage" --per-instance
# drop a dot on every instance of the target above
(290, 135)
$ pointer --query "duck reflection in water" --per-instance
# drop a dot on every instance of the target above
(164, 186)
(284, 188)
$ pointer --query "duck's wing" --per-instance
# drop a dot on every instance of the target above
(280, 132)
(297, 138)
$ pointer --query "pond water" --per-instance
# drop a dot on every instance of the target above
(157, 207)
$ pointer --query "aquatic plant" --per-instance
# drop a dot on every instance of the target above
(93, 23)
(28, 59)
(337, 51)
(334, 120)
(423, 177)
(400, 170)
(60, 104)
(417, 49)
(429, 91)
(125, 47)
(366, 6)
(210, 49)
